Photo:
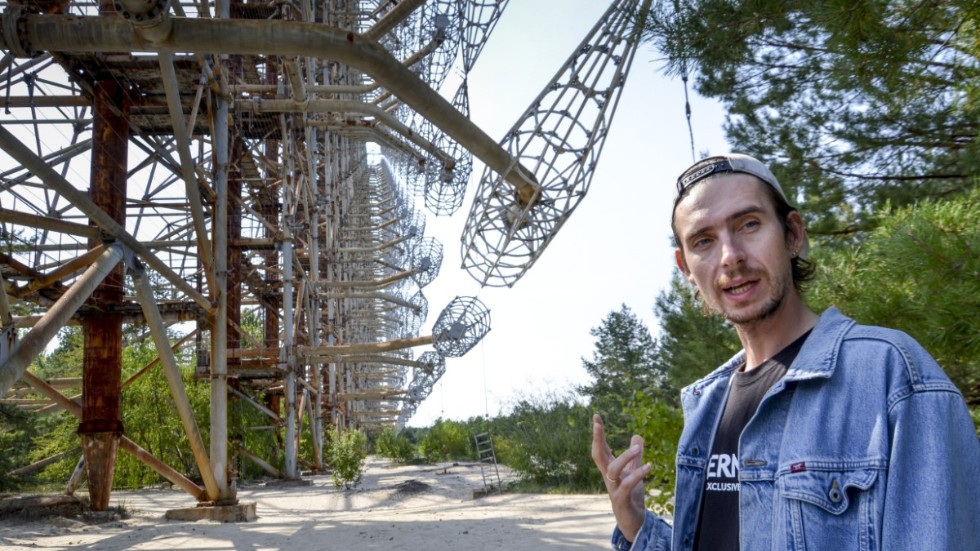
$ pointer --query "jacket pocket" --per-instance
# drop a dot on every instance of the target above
(830, 509)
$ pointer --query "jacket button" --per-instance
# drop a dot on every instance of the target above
(835, 494)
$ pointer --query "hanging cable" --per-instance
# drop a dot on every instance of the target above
(687, 101)
(687, 111)
(486, 400)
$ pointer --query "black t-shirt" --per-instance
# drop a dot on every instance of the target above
(718, 521)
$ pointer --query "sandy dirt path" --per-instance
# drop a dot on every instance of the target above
(415, 508)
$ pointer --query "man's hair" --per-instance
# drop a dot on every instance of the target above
(803, 270)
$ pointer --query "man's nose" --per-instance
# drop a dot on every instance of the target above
(732, 252)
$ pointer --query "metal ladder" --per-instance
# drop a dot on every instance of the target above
(484, 451)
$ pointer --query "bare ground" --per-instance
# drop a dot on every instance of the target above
(415, 508)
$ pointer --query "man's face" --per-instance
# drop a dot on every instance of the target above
(733, 247)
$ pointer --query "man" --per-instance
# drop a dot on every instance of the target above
(821, 434)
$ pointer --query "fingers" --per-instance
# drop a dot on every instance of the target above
(626, 463)
(626, 494)
(635, 476)
(601, 454)
(615, 469)
(623, 477)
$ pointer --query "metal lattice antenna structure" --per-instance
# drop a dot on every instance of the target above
(432, 366)
(426, 258)
(444, 188)
(460, 326)
(479, 19)
(242, 176)
(558, 140)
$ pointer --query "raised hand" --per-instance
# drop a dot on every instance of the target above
(623, 476)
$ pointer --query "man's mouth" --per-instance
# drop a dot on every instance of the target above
(739, 289)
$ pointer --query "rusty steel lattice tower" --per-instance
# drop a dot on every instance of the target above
(173, 166)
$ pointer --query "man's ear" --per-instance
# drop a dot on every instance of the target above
(681, 264)
(797, 231)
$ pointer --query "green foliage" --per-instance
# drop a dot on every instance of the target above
(546, 440)
(51, 434)
(637, 381)
(660, 425)
(60, 438)
(148, 415)
(919, 272)
(622, 366)
(860, 102)
(348, 450)
(150, 418)
(17, 429)
(266, 443)
(65, 360)
(395, 446)
(446, 441)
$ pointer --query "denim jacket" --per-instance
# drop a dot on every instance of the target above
(865, 444)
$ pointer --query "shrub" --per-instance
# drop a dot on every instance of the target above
(547, 442)
(660, 425)
(348, 450)
(446, 441)
(395, 446)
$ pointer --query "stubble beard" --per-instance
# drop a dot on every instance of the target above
(765, 312)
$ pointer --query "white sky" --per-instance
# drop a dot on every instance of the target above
(615, 248)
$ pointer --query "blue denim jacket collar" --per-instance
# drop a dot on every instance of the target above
(820, 350)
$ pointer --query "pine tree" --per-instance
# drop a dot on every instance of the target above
(855, 103)
(918, 272)
(622, 366)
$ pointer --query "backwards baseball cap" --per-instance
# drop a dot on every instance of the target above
(732, 163)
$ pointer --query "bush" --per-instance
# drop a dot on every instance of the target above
(446, 441)
(547, 442)
(660, 426)
(395, 446)
(348, 450)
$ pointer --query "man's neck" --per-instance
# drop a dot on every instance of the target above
(763, 339)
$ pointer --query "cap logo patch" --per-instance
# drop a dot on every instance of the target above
(707, 170)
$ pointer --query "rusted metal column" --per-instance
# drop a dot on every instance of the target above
(269, 209)
(235, 271)
(101, 425)
(219, 336)
(233, 223)
(286, 363)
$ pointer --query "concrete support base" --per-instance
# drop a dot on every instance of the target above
(239, 512)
